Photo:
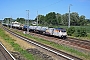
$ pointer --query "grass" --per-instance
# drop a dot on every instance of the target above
(87, 30)
(57, 46)
(83, 38)
(76, 27)
(16, 47)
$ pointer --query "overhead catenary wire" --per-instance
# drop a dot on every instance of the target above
(50, 5)
(46, 7)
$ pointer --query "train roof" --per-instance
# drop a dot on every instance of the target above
(15, 22)
(59, 28)
(25, 26)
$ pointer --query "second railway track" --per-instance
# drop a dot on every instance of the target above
(81, 43)
(4, 54)
(50, 49)
(85, 44)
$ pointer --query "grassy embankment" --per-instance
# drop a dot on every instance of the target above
(16, 47)
(76, 27)
(87, 30)
(85, 56)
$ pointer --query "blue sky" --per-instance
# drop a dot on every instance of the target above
(17, 8)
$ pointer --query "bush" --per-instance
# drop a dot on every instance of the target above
(81, 32)
(70, 31)
(76, 33)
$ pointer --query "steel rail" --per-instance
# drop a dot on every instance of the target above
(7, 52)
(43, 46)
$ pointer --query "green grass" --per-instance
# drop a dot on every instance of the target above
(76, 27)
(87, 30)
(16, 47)
(58, 46)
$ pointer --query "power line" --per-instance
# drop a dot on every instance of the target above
(50, 4)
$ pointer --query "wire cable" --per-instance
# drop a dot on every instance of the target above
(50, 5)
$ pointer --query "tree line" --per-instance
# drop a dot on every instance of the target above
(21, 20)
(53, 18)
(56, 19)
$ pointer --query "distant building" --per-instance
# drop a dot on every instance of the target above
(34, 23)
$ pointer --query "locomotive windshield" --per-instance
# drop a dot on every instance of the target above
(63, 30)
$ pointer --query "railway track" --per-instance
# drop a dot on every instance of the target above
(78, 42)
(85, 44)
(48, 48)
(4, 54)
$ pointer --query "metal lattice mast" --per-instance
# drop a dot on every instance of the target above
(28, 21)
(69, 16)
(37, 18)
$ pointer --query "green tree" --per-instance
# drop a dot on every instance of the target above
(88, 21)
(50, 18)
(82, 20)
(8, 20)
(41, 19)
(65, 19)
(21, 20)
(53, 18)
(74, 18)
(59, 20)
(18, 19)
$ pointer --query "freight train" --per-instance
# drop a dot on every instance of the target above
(59, 32)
